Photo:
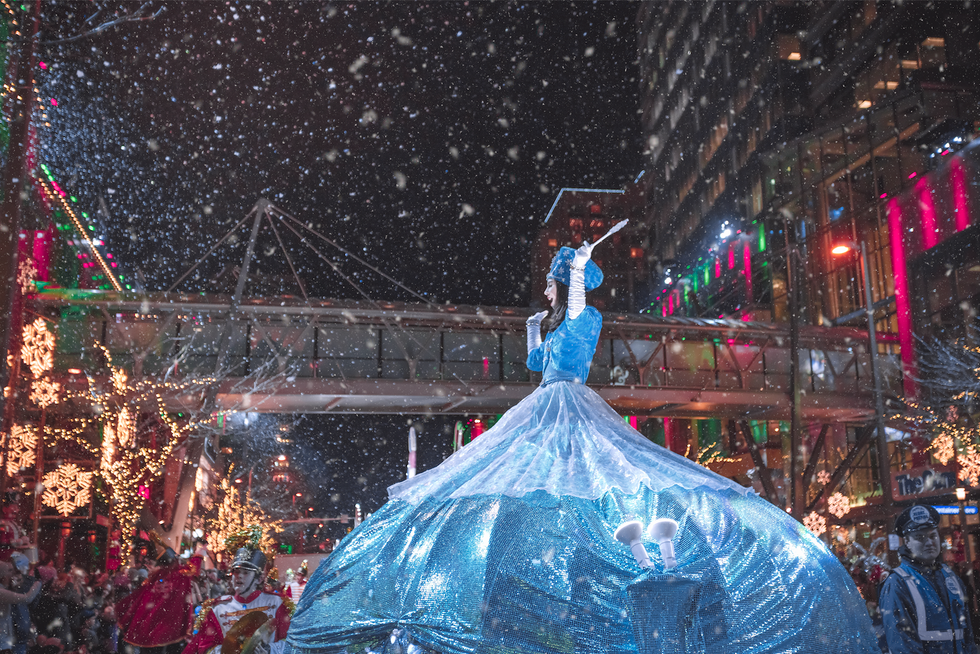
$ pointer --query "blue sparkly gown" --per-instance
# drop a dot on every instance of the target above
(508, 545)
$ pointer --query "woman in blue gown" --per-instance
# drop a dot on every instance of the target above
(508, 545)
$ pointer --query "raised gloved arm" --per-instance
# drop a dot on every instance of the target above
(576, 281)
(534, 331)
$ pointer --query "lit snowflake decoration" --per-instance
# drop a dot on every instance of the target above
(943, 447)
(38, 348)
(823, 477)
(815, 523)
(44, 392)
(26, 276)
(838, 504)
(21, 449)
(969, 465)
(67, 489)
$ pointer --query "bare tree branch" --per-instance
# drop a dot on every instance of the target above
(141, 14)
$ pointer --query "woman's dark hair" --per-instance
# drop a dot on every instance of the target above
(558, 313)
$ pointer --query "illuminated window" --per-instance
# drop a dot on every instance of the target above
(788, 45)
(575, 223)
(552, 242)
(636, 253)
(595, 208)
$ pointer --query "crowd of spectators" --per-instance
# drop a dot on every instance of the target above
(44, 611)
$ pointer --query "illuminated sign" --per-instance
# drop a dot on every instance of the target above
(952, 509)
(919, 482)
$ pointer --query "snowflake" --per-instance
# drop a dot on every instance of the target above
(38, 349)
(21, 449)
(44, 392)
(26, 275)
(943, 447)
(823, 477)
(969, 465)
(67, 489)
(815, 523)
(838, 504)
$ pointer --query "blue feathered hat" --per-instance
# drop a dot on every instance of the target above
(561, 268)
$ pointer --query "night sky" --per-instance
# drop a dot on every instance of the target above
(429, 138)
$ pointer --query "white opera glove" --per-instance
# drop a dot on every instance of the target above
(576, 281)
(534, 330)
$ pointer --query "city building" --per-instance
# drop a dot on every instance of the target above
(776, 131)
(581, 214)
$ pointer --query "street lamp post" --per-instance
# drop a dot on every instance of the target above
(884, 469)
(961, 498)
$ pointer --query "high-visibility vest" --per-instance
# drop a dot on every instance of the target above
(934, 623)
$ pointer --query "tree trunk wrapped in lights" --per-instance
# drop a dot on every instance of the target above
(235, 514)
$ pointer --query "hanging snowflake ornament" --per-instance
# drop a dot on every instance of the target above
(26, 276)
(815, 523)
(44, 392)
(67, 489)
(38, 348)
(823, 477)
(969, 465)
(838, 504)
(21, 449)
(943, 447)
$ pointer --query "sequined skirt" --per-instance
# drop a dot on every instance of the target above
(524, 559)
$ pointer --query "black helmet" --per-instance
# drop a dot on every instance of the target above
(168, 557)
(915, 517)
(249, 559)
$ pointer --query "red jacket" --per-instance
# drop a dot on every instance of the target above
(159, 612)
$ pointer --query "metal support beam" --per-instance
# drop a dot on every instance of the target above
(811, 465)
(767, 486)
(863, 441)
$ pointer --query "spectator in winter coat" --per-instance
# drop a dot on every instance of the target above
(923, 603)
(9, 598)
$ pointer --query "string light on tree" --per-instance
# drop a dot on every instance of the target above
(838, 504)
(37, 351)
(21, 449)
(67, 489)
(816, 523)
(235, 514)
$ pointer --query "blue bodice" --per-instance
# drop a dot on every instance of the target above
(567, 352)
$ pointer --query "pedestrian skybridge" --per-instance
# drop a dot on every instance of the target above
(332, 356)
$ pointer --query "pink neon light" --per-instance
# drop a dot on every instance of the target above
(958, 177)
(717, 267)
(927, 213)
(663, 310)
(882, 196)
(43, 65)
(911, 175)
(747, 270)
(902, 304)
(54, 103)
(731, 257)
(634, 423)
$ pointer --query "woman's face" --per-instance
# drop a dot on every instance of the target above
(551, 292)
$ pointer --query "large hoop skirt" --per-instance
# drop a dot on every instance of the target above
(508, 547)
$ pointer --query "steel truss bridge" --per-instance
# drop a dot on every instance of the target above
(333, 356)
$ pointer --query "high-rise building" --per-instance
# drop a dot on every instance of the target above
(582, 214)
(776, 132)
(775, 124)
